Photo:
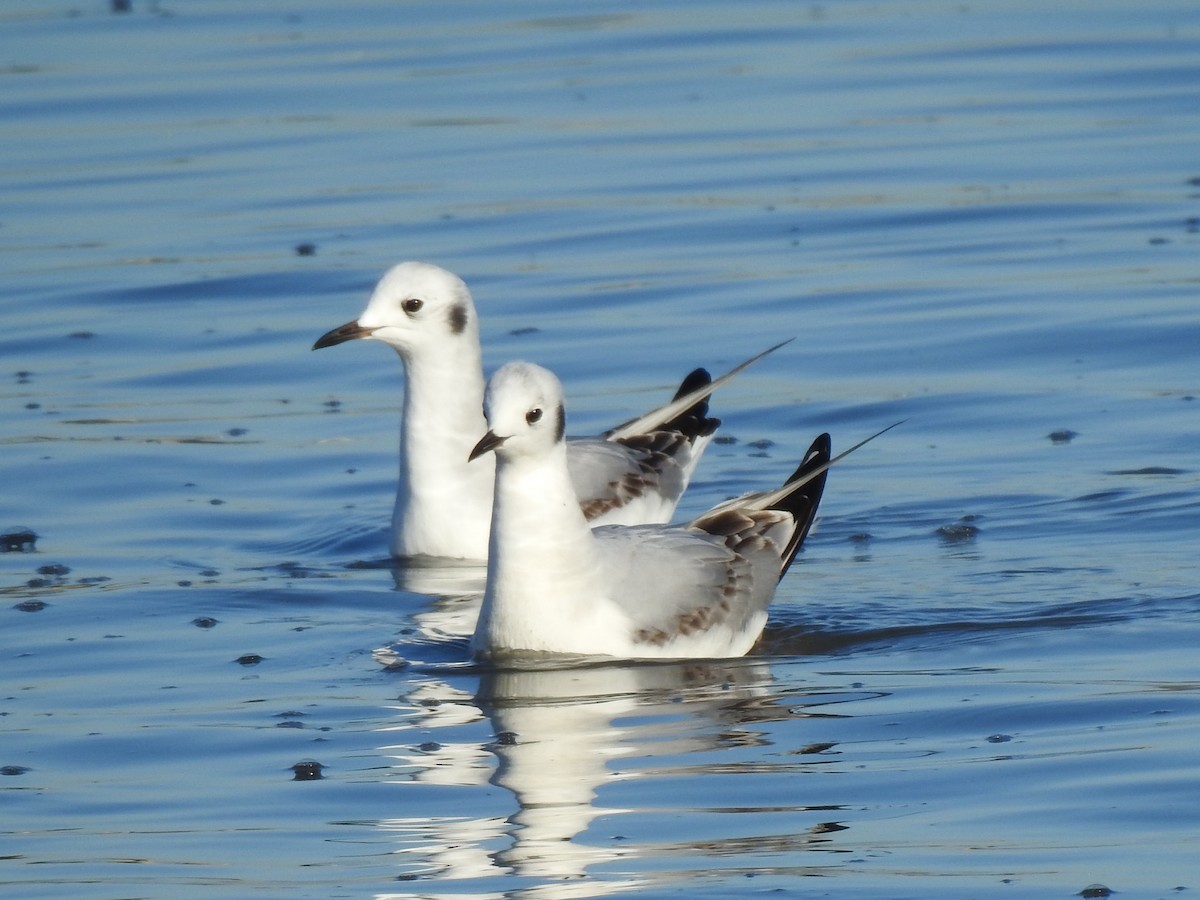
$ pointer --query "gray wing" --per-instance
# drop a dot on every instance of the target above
(636, 473)
(684, 585)
(632, 481)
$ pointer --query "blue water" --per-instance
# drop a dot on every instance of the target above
(979, 680)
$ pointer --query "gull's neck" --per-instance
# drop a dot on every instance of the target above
(543, 563)
(443, 502)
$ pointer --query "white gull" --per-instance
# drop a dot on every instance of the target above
(554, 585)
(632, 474)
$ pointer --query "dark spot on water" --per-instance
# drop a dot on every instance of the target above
(1158, 241)
(408, 876)
(23, 376)
(183, 584)
(290, 723)
(1194, 181)
(820, 747)
(13, 770)
(1064, 436)
(762, 444)
(959, 533)
(121, 6)
(1193, 224)
(53, 569)
(507, 738)
(30, 606)
(38, 583)
(429, 747)
(1096, 890)
(236, 432)
(1150, 470)
(294, 569)
(249, 659)
(82, 335)
(725, 439)
(528, 329)
(17, 539)
(999, 738)
(204, 622)
(33, 406)
(307, 770)
(94, 579)
(829, 827)
(306, 249)
(860, 537)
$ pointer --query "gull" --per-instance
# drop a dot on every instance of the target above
(555, 585)
(632, 474)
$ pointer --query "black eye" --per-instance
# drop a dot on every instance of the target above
(412, 305)
(533, 416)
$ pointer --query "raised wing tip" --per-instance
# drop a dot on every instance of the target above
(806, 473)
(656, 418)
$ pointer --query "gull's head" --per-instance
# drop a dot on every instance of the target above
(415, 305)
(524, 409)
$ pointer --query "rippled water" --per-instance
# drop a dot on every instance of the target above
(980, 679)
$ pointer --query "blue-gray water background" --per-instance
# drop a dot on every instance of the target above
(980, 680)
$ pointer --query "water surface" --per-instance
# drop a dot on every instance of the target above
(978, 680)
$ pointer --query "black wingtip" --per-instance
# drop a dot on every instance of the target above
(694, 421)
(803, 502)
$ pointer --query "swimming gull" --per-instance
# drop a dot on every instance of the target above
(554, 585)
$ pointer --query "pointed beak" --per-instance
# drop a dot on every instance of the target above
(348, 332)
(489, 441)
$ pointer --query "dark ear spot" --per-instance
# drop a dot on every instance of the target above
(458, 318)
(562, 423)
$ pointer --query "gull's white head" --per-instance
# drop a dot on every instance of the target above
(415, 305)
(525, 414)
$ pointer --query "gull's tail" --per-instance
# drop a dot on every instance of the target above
(695, 422)
(802, 501)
